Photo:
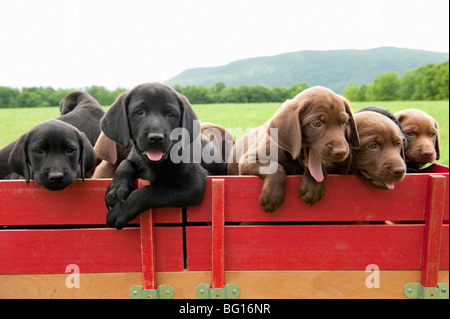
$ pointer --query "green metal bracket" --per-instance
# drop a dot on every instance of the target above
(161, 292)
(417, 291)
(231, 291)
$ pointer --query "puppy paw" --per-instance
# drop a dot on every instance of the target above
(116, 217)
(310, 190)
(271, 200)
(116, 193)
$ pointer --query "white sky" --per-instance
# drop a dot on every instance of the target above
(78, 43)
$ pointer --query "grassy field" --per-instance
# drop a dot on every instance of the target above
(13, 122)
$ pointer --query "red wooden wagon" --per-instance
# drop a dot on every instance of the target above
(357, 242)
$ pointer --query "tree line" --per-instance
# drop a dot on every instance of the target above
(430, 82)
(48, 96)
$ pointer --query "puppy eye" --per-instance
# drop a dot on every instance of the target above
(433, 135)
(410, 133)
(170, 114)
(70, 150)
(344, 123)
(39, 151)
(316, 124)
(372, 146)
(139, 112)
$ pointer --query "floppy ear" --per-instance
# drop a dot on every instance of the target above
(106, 149)
(18, 160)
(352, 133)
(115, 121)
(287, 120)
(436, 144)
(68, 103)
(189, 119)
(403, 152)
(87, 159)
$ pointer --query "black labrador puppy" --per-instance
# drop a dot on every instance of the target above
(79, 109)
(148, 115)
(53, 153)
(84, 112)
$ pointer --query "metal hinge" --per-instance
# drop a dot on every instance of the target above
(417, 291)
(161, 292)
(230, 291)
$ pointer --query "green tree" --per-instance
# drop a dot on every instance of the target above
(8, 96)
(385, 87)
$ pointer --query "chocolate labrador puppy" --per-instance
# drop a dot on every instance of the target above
(380, 158)
(309, 134)
(388, 113)
(148, 115)
(422, 132)
(53, 153)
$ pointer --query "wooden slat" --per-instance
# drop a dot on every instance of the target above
(217, 234)
(313, 247)
(253, 284)
(93, 250)
(148, 250)
(81, 203)
(433, 231)
(347, 198)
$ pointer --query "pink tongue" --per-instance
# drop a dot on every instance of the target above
(390, 185)
(315, 166)
(154, 155)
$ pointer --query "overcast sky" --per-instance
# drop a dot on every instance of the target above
(74, 44)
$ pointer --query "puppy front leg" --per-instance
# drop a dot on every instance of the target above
(273, 190)
(122, 184)
(188, 191)
(311, 190)
(153, 196)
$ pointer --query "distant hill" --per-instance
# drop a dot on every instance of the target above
(334, 69)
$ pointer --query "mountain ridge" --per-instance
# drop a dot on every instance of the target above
(333, 68)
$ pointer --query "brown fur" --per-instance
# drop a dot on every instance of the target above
(380, 157)
(422, 132)
(219, 136)
(297, 138)
(111, 153)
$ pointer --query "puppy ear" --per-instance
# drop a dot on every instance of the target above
(436, 144)
(352, 133)
(106, 149)
(69, 102)
(287, 120)
(189, 119)
(403, 152)
(115, 122)
(87, 159)
(18, 160)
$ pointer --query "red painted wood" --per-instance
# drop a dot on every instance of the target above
(81, 203)
(147, 251)
(347, 198)
(218, 234)
(433, 231)
(254, 247)
(313, 247)
(147, 246)
(30, 251)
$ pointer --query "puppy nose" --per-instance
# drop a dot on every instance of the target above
(55, 176)
(339, 152)
(155, 137)
(398, 170)
(427, 153)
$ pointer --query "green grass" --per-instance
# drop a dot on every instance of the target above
(13, 122)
